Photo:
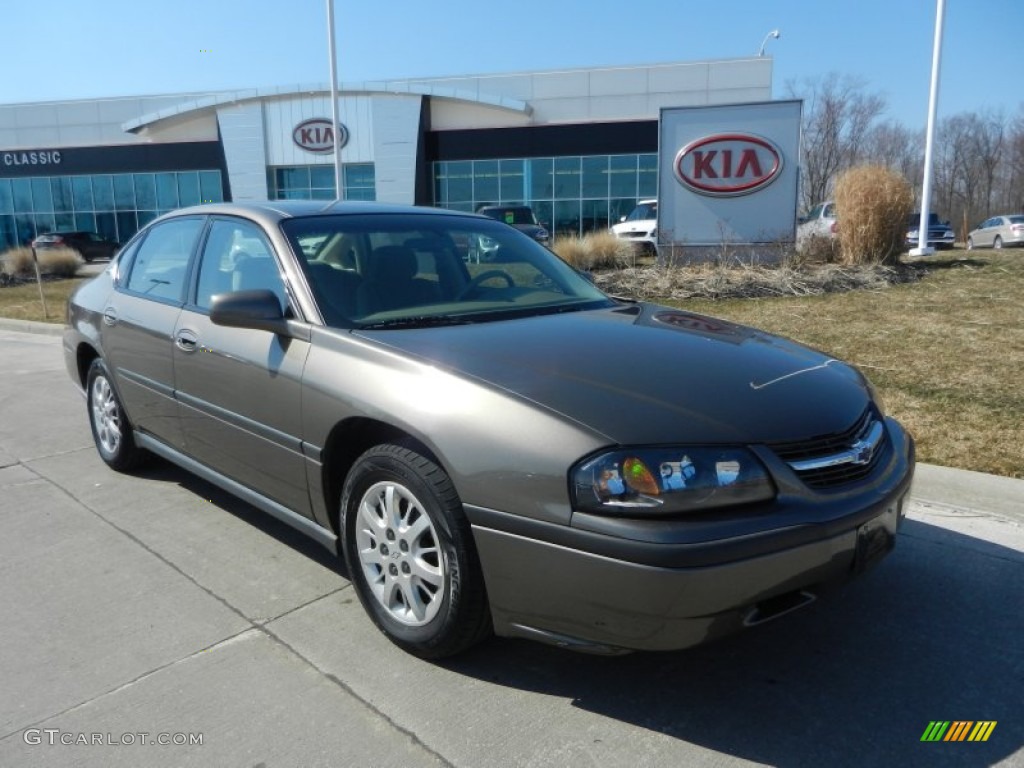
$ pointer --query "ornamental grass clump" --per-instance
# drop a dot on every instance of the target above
(58, 262)
(595, 250)
(872, 204)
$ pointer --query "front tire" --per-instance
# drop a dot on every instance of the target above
(410, 553)
(998, 242)
(970, 244)
(111, 430)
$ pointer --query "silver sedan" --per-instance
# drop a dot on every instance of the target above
(998, 232)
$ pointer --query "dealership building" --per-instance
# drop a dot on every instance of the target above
(579, 146)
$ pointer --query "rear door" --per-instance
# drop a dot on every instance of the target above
(240, 389)
(139, 321)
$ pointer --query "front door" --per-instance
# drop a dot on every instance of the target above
(240, 389)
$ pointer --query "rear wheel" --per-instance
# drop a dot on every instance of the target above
(111, 430)
(998, 242)
(410, 553)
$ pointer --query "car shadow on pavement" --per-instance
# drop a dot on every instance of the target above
(164, 471)
(933, 633)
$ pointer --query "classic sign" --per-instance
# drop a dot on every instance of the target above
(44, 157)
(728, 164)
(317, 135)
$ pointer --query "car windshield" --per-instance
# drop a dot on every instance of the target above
(933, 220)
(643, 212)
(407, 270)
(511, 215)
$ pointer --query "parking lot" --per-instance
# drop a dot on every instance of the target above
(149, 606)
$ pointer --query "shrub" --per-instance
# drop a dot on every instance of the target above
(872, 203)
(595, 250)
(59, 262)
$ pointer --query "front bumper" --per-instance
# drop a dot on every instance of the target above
(664, 596)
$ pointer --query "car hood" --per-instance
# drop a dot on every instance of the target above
(646, 374)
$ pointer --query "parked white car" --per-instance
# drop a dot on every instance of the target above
(640, 226)
(820, 221)
(997, 232)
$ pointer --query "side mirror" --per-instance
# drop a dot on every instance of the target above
(621, 219)
(259, 310)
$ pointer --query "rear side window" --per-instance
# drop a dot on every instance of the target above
(161, 263)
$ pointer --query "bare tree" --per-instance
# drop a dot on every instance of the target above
(838, 116)
(892, 145)
(989, 145)
(1011, 198)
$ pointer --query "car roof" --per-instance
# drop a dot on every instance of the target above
(274, 211)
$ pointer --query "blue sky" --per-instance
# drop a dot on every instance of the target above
(67, 49)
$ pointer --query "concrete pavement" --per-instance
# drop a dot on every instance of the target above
(152, 607)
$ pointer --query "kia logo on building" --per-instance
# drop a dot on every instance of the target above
(728, 164)
(317, 135)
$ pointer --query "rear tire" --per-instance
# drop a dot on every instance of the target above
(111, 430)
(410, 553)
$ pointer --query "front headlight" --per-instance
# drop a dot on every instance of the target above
(665, 481)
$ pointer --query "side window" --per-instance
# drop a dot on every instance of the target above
(237, 257)
(161, 262)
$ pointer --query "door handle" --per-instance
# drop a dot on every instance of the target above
(186, 341)
(109, 316)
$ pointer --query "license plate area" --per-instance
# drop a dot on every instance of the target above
(877, 537)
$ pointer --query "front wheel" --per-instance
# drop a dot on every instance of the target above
(998, 242)
(111, 430)
(970, 244)
(410, 553)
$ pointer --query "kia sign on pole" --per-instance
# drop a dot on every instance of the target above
(728, 174)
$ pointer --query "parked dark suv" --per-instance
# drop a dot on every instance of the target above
(88, 244)
(519, 216)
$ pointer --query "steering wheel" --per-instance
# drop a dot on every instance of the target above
(482, 278)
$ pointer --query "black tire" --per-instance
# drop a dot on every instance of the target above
(998, 242)
(410, 555)
(111, 430)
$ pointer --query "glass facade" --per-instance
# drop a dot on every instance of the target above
(316, 182)
(572, 195)
(116, 205)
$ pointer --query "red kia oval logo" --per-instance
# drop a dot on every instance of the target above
(728, 164)
(317, 135)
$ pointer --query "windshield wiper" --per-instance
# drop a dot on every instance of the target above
(419, 321)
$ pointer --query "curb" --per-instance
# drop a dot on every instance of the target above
(31, 326)
(972, 491)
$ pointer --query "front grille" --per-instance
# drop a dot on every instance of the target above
(823, 447)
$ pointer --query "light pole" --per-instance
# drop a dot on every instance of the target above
(339, 189)
(773, 35)
(933, 101)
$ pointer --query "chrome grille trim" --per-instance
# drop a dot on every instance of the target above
(860, 453)
(838, 459)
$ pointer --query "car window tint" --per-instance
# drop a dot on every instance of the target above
(161, 263)
(237, 257)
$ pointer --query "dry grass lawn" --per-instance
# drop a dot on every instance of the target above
(946, 353)
(22, 301)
